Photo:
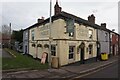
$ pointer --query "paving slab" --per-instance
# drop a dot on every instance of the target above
(84, 67)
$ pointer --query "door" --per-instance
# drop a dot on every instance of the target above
(82, 55)
(26, 49)
(113, 50)
(98, 53)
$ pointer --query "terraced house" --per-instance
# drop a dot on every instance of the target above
(103, 39)
(73, 38)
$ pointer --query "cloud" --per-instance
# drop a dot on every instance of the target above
(24, 14)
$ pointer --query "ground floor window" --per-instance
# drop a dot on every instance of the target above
(71, 52)
(90, 48)
(53, 50)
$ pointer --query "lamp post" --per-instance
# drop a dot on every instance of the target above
(50, 38)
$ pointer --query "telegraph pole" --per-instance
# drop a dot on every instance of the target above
(50, 38)
(10, 36)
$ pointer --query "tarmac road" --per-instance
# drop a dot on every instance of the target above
(110, 71)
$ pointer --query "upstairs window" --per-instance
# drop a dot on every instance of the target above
(90, 34)
(26, 34)
(106, 36)
(71, 34)
(32, 35)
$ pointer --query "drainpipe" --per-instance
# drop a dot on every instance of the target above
(97, 45)
(118, 44)
(28, 40)
(109, 44)
(36, 50)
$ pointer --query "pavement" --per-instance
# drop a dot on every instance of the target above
(69, 72)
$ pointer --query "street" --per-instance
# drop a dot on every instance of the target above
(110, 71)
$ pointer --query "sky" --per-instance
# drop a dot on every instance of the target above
(24, 13)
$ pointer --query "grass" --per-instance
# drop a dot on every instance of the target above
(21, 61)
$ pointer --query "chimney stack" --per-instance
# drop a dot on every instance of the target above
(91, 19)
(103, 25)
(40, 20)
(57, 8)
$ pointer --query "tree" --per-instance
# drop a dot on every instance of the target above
(17, 35)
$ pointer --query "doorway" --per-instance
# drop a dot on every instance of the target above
(82, 55)
(26, 49)
(82, 52)
(113, 50)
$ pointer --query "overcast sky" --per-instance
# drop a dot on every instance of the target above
(24, 13)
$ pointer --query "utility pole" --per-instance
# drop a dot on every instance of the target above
(50, 38)
(10, 36)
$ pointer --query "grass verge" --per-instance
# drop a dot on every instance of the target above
(21, 61)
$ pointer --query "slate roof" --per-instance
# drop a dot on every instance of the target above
(64, 15)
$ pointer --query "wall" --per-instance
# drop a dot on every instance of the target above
(105, 44)
(25, 40)
(62, 41)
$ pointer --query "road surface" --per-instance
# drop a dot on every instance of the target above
(110, 71)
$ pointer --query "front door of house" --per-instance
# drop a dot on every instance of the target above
(82, 55)
(113, 50)
(25, 49)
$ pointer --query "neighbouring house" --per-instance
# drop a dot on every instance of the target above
(103, 39)
(25, 41)
(5, 40)
(114, 43)
(119, 45)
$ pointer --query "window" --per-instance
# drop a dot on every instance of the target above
(106, 36)
(90, 49)
(110, 37)
(71, 52)
(71, 34)
(53, 50)
(26, 34)
(90, 34)
(32, 35)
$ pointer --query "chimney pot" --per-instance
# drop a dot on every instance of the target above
(103, 25)
(91, 19)
(57, 8)
(40, 20)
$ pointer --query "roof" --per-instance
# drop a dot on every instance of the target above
(65, 15)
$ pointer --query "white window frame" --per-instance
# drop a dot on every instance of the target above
(90, 34)
(53, 50)
(71, 52)
(32, 35)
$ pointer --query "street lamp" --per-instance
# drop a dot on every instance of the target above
(50, 38)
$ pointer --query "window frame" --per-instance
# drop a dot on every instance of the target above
(106, 36)
(71, 52)
(90, 49)
(53, 50)
(32, 35)
(90, 35)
